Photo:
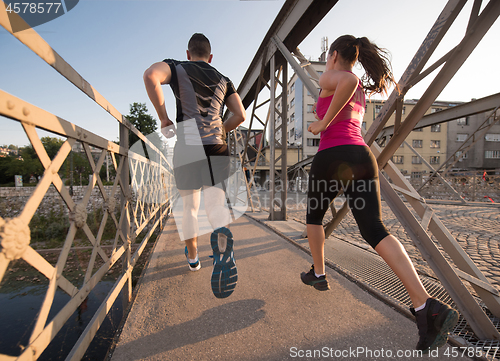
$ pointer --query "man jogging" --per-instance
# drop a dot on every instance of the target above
(201, 155)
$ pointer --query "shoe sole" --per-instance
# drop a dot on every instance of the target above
(193, 269)
(319, 285)
(224, 274)
(449, 323)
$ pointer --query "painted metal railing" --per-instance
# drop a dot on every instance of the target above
(137, 203)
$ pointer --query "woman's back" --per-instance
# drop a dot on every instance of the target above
(345, 128)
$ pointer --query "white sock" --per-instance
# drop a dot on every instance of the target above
(421, 307)
(317, 275)
(193, 260)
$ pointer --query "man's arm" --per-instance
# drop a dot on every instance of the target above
(156, 75)
(233, 103)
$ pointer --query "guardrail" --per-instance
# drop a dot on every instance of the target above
(144, 201)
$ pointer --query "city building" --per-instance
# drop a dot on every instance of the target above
(300, 114)
(485, 153)
(430, 142)
(424, 148)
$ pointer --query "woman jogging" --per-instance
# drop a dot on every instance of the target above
(345, 163)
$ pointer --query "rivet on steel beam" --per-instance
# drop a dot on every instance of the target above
(10, 104)
(26, 111)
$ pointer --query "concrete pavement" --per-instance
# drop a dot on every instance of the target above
(271, 315)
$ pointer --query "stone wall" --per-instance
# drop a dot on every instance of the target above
(78, 191)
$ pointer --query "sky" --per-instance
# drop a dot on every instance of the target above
(112, 42)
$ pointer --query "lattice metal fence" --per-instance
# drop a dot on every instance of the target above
(136, 204)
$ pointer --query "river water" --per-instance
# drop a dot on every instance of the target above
(19, 307)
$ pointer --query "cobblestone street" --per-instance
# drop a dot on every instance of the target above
(477, 229)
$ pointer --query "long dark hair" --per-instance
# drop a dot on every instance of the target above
(378, 74)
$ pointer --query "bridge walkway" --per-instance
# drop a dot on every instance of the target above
(271, 315)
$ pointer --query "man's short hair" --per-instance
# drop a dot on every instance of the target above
(199, 46)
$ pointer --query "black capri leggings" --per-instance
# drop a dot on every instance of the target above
(352, 169)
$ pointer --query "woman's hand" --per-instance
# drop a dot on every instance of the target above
(317, 127)
(315, 111)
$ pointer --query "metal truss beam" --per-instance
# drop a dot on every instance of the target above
(481, 25)
(479, 133)
(294, 22)
(460, 111)
(429, 45)
(434, 172)
(313, 89)
(473, 313)
(277, 207)
(478, 26)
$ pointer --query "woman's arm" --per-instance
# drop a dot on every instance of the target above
(344, 85)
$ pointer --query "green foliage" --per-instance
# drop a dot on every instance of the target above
(146, 124)
(27, 163)
(52, 145)
(49, 229)
(94, 219)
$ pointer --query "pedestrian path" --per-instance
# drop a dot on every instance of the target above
(270, 316)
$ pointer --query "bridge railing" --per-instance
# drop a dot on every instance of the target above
(137, 203)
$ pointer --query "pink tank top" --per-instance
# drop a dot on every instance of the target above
(347, 127)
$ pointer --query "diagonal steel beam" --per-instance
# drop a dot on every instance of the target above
(460, 111)
(296, 19)
(480, 323)
(473, 313)
(296, 67)
(480, 131)
(429, 45)
(463, 50)
(434, 172)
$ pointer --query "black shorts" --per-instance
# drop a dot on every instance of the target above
(198, 166)
(352, 169)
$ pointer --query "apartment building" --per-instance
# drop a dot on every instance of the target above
(430, 142)
(300, 115)
(485, 154)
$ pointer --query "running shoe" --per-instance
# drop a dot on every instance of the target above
(309, 278)
(434, 323)
(224, 274)
(192, 266)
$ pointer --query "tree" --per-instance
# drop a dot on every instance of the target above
(146, 124)
(30, 164)
(52, 145)
(143, 121)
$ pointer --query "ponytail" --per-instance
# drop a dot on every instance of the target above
(378, 74)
